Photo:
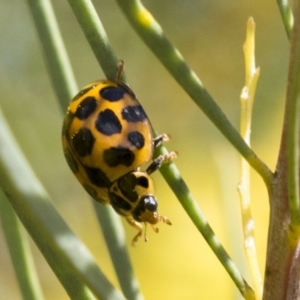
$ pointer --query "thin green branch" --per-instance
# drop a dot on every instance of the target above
(20, 252)
(90, 25)
(109, 221)
(67, 256)
(95, 34)
(94, 30)
(59, 67)
(172, 176)
(55, 54)
(116, 244)
(286, 15)
(153, 35)
(293, 121)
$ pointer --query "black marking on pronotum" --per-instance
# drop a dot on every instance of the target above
(86, 107)
(127, 186)
(119, 203)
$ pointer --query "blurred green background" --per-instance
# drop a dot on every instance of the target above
(176, 263)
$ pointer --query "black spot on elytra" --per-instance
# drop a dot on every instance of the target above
(86, 107)
(108, 123)
(93, 193)
(112, 93)
(136, 139)
(116, 156)
(97, 177)
(127, 89)
(82, 92)
(71, 160)
(83, 142)
(67, 123)
(134, 114)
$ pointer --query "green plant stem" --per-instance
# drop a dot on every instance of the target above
(293, 121)
(172, 176)
(110, 223)
(55, 54)
(153, 35)
(59, 67)
(91, 25)
(67, 256)
(282, 275)
(95, 34)
(116, 244)
(20, 252)
(286, 15)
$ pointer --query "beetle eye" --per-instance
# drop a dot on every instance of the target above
(150, 203)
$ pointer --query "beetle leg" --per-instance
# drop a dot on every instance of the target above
(157, 162)
(161, 138)
(138, 226)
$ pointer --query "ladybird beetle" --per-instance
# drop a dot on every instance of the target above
(106, 138)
